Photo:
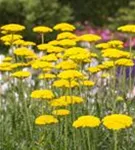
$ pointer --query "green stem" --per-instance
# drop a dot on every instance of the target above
(42, 38)
(115, 140)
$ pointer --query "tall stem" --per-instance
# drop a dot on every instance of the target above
(115, 141)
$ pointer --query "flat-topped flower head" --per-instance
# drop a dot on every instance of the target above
(94, 69)
(89, 38)
(129, 28)
(87, 83)
(7, 59)
(23, 51)
(49, 57)
(47, 76)
(67, 64)
(67, 43)
(65, 84)
(61, 112)
(86, 121)
(64, 27)
(10, 39)
(70, 74)
(38, 64)
(42, 29)
(115, 53)
(116, 44)
(77, 54)
(12, 28)
(124, 62)
(66, 100)
(46, 120)
(66, 35)
(117, 121)
(21, 74)
(42, 94)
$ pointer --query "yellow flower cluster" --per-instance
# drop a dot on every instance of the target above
(127, 28)
(65, 83)
(21, 74)
(124, 62)
(89, 38)
(115, 53)
(12, 28)
(77, 54)
(86, 121)
(46, 76)
(87, 83)
(68, 64)
(45, 120)
(117, 121)
(64, 27)
(10, 39)
(23, 51)
(49, 57)
(61, 112)
(42, 29)
(70, 74)
(66, 35)
(42, 94)
(65, 101)
(37, 64)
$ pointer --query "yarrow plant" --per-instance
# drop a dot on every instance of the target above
(71, 93)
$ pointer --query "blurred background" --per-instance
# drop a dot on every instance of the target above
(89, 16)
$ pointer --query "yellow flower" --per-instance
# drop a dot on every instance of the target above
(54, 43)
(45, 120)
(42, 94)
(65, 83)
(64, 27)
(61, 112)
(68, 64)
(89, 38)
(77, 54)
(23, 52)
(70, 74)
(127, 28)
(5, 66)
(12, 28)
(124, 62)
(86, 121)
(37, 64)
(111, 44)
(106, 65)
(117, 121)
(66, 35)
(94, 69)
(42, 29)
(115, 44)
(55, 49)
(87, 83)
(8, 58)
(49, 57)
(66, 100)
(67, 43)
(18, 42)
(115, 53)
(21, 74)
(46, 76)
(8, 39)
(103, 45)
(28, 43)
